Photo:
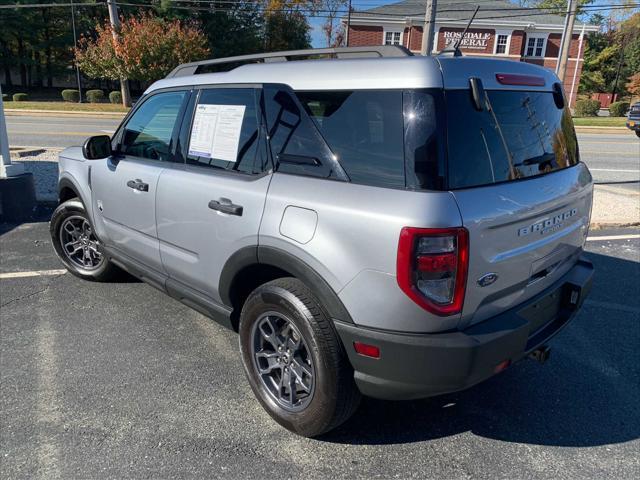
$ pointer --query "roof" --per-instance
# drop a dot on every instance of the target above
(492, 12)
(365, 73)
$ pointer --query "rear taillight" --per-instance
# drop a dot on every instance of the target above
(432, 267)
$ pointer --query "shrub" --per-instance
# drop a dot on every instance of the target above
(5, 97)
(587, 108)
(95, 96)
(71, 95)
(20, 97)
(618, 109)
(115, 97)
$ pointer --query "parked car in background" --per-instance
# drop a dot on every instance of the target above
(633, 118)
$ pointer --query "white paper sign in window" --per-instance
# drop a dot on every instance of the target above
(216, 131)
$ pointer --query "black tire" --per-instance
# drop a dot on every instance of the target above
(335, 396)
(638, 133)
(73, 211)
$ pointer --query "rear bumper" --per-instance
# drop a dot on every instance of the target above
(422, 365)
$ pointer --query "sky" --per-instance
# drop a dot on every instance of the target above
(317, 36)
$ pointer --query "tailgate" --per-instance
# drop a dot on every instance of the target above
(523, 236)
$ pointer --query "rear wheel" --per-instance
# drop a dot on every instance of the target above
(76, 244)
(294, 359)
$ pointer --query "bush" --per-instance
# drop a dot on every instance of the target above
(5, 97)
(587, 108)
(71, 95)
(20, 97)
(95, 96)
(115, 97)
(618, 109)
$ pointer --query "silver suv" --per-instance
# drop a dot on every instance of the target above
(373, 223)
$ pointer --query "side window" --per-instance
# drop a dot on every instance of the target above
(149, 131)
(225, 131)
(364, 129)
(296, 145)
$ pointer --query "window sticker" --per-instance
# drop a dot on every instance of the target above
(216, 131)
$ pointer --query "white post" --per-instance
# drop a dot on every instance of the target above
(7, 169)
(575, 71)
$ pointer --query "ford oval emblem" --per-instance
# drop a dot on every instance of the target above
(487, 279)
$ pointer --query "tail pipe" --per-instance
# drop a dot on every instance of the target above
(541, 354)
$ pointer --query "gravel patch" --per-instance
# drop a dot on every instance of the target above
(615, 206)
(44, 167)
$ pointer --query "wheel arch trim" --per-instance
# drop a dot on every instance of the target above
(274, 257)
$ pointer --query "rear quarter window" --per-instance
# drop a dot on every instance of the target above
(364, 129)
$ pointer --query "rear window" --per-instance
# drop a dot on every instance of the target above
(522, 135)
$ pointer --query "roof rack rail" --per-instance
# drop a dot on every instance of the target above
(339, 52)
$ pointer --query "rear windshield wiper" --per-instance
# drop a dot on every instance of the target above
(512, 170)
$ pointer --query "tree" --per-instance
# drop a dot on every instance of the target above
(331, 8)
(633, 87)
(611, 56)
(286, 26)
(147, 49)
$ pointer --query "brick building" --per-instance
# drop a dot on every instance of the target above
(500, 30)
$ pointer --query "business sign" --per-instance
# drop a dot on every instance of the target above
(471, 41)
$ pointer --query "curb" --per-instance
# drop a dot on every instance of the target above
(610, 130)
(59, 113)
(604, 225)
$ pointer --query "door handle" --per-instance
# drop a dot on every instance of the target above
(225, 206)
(138, 184)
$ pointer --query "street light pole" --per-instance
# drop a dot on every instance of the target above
(428, 28)
(115, 27)
(75, 45)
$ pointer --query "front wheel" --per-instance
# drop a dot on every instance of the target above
(638, 133)
(76, 244)
(294, 360)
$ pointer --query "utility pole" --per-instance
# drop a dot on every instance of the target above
(115, 27)
(567, 36)
(346, 36)
(427, 29)
(75, 45)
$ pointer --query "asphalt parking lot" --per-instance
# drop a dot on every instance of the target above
(118, 380)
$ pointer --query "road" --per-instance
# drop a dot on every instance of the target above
(118, 380)
(611, 158)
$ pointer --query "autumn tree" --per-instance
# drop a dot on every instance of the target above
(147, 48)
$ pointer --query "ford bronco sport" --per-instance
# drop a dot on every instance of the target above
(373, 223)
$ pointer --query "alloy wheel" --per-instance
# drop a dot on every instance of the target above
(282, 361)
(80, 244)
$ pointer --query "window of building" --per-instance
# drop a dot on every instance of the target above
(535, 47)
(224, 133)
(501, 44)
(393, 38)
(149, 131)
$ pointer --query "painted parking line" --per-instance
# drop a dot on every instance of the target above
(33, 273)
(613, 170)
(602, 238)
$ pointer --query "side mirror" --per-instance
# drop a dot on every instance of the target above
(97, 147)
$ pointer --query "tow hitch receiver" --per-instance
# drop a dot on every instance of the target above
(541, 354)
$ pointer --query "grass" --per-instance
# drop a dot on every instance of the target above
(599, 121)
(66, 106)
